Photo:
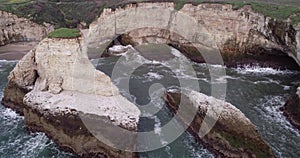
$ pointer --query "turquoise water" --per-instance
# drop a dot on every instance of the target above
(258, 92)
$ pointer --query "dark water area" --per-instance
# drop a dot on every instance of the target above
(258, 92)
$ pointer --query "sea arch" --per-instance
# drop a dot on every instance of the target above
(173, 28)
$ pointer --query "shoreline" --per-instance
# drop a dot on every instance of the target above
(16, 51)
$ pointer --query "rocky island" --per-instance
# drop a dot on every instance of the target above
(51, 96)
(59, 91)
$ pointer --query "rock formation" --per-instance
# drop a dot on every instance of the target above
(233, 135)
(59, 91)
(61, 94)
(291, 109)
(15, 29)
(242, 36)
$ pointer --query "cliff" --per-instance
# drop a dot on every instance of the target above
(241, 36)
(61, 94)
(233, 134)
(15, 29)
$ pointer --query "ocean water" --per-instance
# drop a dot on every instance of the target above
(258, 92)
(15, 140)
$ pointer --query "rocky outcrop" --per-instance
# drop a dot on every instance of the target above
(233, 135)
(291, 109)
(61, 94)
(241, 36)
(15, 29)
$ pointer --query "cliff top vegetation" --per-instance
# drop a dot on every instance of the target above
(69, 13)
(64, 33)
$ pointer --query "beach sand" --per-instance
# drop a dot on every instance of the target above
(16, 51)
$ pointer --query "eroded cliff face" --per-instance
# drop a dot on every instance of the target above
(61, 94)
(239, 35)
(15, 29)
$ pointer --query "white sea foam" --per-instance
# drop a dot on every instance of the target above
(33, 145)
(8, 61)
(286, 88)
(176, 53)
(10, 114)
(262, 70)
(157, 130)
(271, 110)
(157, 125)
(267, 82)
(153, 75)
(119, 50)
(223, 79)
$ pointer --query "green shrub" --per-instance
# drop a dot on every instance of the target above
(296, 19)
(64, 33)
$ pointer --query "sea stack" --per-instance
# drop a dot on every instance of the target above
(61, 94)
(233, 135)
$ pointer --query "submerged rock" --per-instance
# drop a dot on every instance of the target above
(233, 135)
(61, 94)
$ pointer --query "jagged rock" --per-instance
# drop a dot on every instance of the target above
(233, 135)
(66, 94)
(15, 29)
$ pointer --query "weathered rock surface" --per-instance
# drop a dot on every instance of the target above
(242, 36)
(233, 135)
(291, 109)
(61, 93)
(15, 29)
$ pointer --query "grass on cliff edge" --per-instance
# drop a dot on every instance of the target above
(64, 33)
(66, 13)
(275, 11)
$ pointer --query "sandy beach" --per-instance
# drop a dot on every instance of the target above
(16, 51)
